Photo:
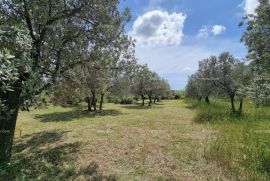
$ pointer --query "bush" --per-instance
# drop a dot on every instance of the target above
(126, 101)
(113, 99)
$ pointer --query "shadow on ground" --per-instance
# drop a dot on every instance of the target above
(74, 114)
(139, 106)
(41, 157)
(44, 156)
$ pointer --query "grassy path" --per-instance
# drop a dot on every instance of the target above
(129, 142)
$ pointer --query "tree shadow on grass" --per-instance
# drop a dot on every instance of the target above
(41, 157)
(32, 142)
(139, 106)
(75, 114)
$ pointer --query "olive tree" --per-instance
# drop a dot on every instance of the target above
(59, 32)
(257, 40)
(192, 88)
(15, 47)
(231, 76)
(205, 77)
(141, 81)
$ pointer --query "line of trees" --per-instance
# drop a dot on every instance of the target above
(74, 48)
(123, 78)
(226, 76)
(147, 84)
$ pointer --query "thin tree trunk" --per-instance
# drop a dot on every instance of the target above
(142, 100)
(241, 106)
(89, 102)
(101, 101)
(8, 121)
(94, 101)
(207, 100)
(232, 103)
(150, 99)
(155, 98)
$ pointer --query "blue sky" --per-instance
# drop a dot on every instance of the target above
(173, 35)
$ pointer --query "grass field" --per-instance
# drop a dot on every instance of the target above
(240, 144)
(120, 143)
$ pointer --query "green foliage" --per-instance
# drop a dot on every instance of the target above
(127, 100)
(180, 94)
(146, 83)
(257, 40)
(15, 61)
(222, 75)
(113, 99)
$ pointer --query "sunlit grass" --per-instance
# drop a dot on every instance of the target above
(123, 142)
(241, 144)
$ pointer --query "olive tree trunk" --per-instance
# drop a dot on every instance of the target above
(8, 120)
(207, 100)
(241, 106)
(101, 101)
(94, 102)
(89, 103)
(155, 99)
(232, 103)
(142, 96)
(150, 99)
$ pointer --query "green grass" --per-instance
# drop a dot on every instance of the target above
(123, 142)
(240, 144)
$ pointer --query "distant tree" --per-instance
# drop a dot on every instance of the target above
(231, 76)
(152, 86)
(205, 77)
(141, 82)
(162, 90)
(192, 88)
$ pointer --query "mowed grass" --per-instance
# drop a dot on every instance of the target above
(240, 144)
(123, 142)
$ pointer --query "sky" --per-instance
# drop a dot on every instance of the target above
(173, 35)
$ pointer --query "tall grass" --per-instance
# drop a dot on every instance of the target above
(240, 143)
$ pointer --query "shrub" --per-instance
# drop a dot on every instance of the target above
(113, 99)
(126, 101)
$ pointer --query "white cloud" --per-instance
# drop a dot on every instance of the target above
(250, 6)
(207, 30)
(158, 28)
(161, 45)
(204, 32)
(218, 29)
